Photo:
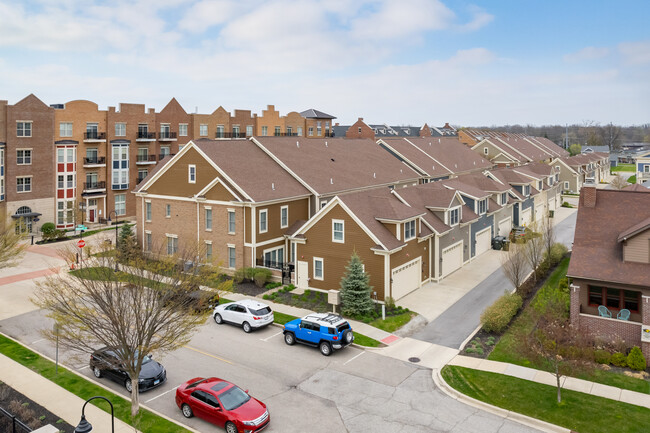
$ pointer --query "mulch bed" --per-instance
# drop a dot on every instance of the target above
(30, 413)
(248, 289)
(311, 300)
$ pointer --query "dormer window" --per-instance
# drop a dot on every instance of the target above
(454, 216)
(482, 207)
(409, 230)
(539, 185)
(504, 198)
(526, 190)
(485, 151)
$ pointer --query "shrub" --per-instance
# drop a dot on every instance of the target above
(390, 303)
(273, 285)
(249, 273)
(261, 276)
(289, 288)
(619, 359)
(266, 297)
(49, 231)
(240, 275)
(566, 204)
(497, 316)
(636, 360)
(558, 250)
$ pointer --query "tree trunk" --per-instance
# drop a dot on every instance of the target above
(135, 398)
(559, 389)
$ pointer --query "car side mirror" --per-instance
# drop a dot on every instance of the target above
(246, 391)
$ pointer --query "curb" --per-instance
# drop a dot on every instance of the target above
(514, 416)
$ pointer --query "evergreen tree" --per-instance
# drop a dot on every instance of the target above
(356, 289)
(128, 247)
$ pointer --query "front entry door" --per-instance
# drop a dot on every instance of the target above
(303, 275)
(91, 215)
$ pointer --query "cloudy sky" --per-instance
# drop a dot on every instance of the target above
(388, 61)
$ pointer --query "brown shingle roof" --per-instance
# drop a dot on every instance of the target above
(451, 153)
(597, 254)
(636, 187)
(334, 165)
(635, 229)
(251, 169)
(423, 161)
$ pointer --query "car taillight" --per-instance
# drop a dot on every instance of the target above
(335, 338)
(256, 318)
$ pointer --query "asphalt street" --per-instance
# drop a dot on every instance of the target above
(458, 322)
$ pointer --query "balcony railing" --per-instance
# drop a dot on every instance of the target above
(162, 155)
(268, 264)
(94, 135)
(144, 135)
(146, 158)
(167, 135)
(230, 134)
(97, 160)
(94, 185)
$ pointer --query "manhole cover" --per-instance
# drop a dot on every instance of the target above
(414, 359)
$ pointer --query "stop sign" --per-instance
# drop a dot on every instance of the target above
(81, 243)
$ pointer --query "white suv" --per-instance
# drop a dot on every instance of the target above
(247, 313)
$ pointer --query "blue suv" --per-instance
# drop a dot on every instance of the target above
(326, 331)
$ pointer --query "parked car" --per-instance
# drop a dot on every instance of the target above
(326, 331)
(247, 313)
(105, 362)
(222, 403)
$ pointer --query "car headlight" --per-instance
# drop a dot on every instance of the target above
(140, 380)
(248, 422)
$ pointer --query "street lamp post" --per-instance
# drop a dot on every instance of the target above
(84, 426)
(116, 234)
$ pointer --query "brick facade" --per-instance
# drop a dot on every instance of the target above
(360, 130)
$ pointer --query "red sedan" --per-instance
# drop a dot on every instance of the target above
(222, 403)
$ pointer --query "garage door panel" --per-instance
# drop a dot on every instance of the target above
(525, 216)
(505, 226)
(406, 278)
(539, 212)
(483, 241)
(551, 203)
(452, 258)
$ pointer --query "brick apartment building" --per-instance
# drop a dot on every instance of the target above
(72, 163)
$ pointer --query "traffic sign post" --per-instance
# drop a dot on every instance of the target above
(81, 243)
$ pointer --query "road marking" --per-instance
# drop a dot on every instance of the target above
(87, 366)
(353, 358)
(268, 338)
(208, 354)
(38, 341)
(160, 395)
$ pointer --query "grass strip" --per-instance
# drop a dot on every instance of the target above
(578, 411)
(623, 167)
(146, 421)
(393, 323)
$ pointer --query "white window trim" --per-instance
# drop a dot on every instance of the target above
(228, 221)
(406, 239)
(189, 173)
(566, 185)
(31, 155)
(449, 216)
(229, 246)
(168, 207)
(31, 128)
(284, 226)
(147, 203)
(322, 267)
(485, 151)
(180, 129)
(266, 219)
(342, 241)
(201, 127)
(31, 184)
(206, 209)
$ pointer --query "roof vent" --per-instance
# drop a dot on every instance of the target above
(429, 143)
(273, 186)
(332, 159)
(433, 167)
(374, 175)
(438, 140)
(326, 144)
(400, 170)
(297, 144)
(456, 165)
(331, 181)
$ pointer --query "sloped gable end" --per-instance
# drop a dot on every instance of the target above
(32, 101)
(220, 192)
(175, 180)
(173, 107)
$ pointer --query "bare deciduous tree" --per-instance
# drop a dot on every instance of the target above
(534, 251)
(618, 182)
(610, 136)
(548, 236)
(11, 246)
(149, 307)
(514, 265)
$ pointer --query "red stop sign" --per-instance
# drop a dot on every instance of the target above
(81, 243)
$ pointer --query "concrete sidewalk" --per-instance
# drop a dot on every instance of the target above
(56, 399)
(572, 383)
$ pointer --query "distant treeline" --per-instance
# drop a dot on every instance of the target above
(588, 133)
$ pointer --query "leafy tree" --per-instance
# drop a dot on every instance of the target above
(356, 289)
(145, 309)
(11, 246)
(575, 149)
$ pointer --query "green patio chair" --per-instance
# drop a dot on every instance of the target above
(604, 311)
(624, 314)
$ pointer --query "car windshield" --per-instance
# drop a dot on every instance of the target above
(233, 398)
(261, 312)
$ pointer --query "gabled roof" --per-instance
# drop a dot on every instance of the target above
(535, 170)
(336, 165)
(315, 114)
(466, 189)
(483, 182)
(510, 176)
(524, 147)
(421, 161)
(451, 154)
(634, 230)
(636, 187)
(597, 254)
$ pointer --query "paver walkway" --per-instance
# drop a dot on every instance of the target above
(572, 383)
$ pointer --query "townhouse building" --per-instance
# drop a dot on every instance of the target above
(575, 171)
(642, 165)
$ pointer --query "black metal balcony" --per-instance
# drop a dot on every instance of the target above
(285, 134)
(163, 155)
(94, 135)
(146, 158)
(230, 134)
(268, 264)
(94, 185)
(97, 160)
(167, 135)
(144, 135)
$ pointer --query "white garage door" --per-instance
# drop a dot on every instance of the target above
(539, 212)
(406, 278)
(525, 216)
(452, 258)
(551, 203)
(483, 241)
(505, 225)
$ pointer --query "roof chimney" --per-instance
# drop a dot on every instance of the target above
(447, 126)
(588, 194)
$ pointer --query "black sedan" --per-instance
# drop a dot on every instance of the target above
(105, 362)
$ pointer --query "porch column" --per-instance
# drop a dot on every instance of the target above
(645, 314)
(575, 305)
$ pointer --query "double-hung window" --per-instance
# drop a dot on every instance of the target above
(482, 207)
(23, 129)
(249, 130)
(172, 244)
(191, 173)
(168, 211)
(120, 204)
(318, 268)
(232, 258)
(504, 198)
(23, 184)
(265, 131)
(203, 130)
(65, 129)
(182, 129)
(454, 216)
(338, 231)
(120, 171)
(409, 230)
(263, 227)
(208, 218)
(148, 241)
(231, 222)
(284, 217)
(147, 207)
(120, 129)
(24, 156)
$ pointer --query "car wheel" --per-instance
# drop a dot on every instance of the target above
(289, 338)
(325, 348)
(218, 319)
(187, 410)
(97, 372)
(246, 327)
(347, 336)
(128, 385)
(231, 428)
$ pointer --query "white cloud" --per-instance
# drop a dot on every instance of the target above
(587, 53)
(480, 18)
(635, 53)
(207, 13)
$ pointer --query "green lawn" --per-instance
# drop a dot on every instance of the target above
(580, 412)
(393, 323)
(147, 421)
(624, 167)
(505, 349)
